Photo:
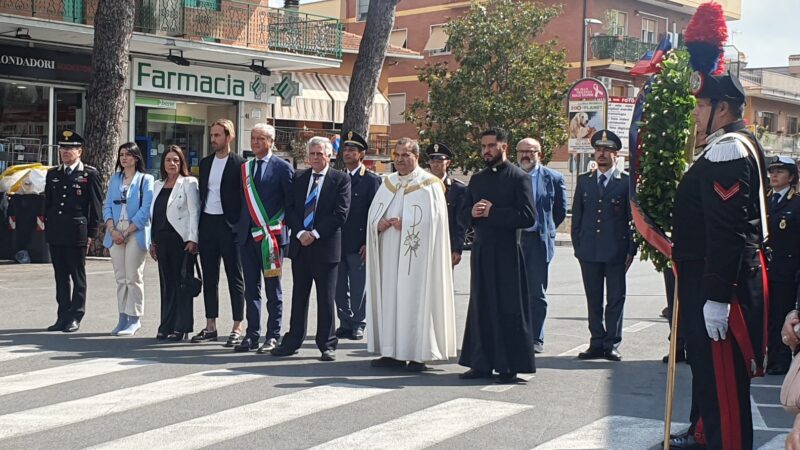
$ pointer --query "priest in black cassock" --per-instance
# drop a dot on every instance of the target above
(499, 201)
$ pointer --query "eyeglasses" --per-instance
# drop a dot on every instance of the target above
(124, 199)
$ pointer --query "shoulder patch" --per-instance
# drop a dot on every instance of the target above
(726, 150)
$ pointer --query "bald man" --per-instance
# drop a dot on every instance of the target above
(538, 241)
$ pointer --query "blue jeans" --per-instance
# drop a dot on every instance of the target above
(536, 269)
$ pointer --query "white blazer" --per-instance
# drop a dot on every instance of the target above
(183, 206)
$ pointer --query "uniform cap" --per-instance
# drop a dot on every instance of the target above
(353, 139)
(438, 152)
(71, 139)
(606, 139)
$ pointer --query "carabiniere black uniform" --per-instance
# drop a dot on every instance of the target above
(73, 211)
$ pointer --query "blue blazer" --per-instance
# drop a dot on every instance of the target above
(138, 210)
(550, 198)
(274, 188)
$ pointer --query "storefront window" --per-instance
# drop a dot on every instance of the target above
(24, 122)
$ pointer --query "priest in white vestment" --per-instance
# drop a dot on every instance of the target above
(410, 302)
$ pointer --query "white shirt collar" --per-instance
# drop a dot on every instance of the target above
(608, 173)
(74, 166)
(323, 172)
(783, 192)
(355, 171)
(265, 158)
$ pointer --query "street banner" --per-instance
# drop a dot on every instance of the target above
(587, 103)
(620, 114)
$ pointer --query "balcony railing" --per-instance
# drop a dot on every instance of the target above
(619, 48)
(229, 22)
(780, 143)
(777, 83)
(292, 140)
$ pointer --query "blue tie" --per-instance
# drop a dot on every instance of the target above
(259, 166)
(311, 203)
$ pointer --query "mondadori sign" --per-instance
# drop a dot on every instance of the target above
(206, 82)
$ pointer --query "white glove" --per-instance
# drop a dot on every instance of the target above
(716, 317)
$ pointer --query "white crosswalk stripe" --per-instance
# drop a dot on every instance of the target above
(429, 426)
(21, 351)
(27, 381)
(214, 428)
(70, 412)
(613, 433)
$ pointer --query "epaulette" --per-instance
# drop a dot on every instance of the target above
(726, 150)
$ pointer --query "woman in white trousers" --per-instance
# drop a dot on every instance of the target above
(126, 212)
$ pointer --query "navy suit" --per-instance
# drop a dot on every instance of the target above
(352, 277)
(273, 187)
(538, 242)
(316, 263)
(455, 192)
(602, 237)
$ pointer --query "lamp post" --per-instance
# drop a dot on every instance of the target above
(586, 23)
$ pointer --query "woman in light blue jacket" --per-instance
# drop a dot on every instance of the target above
(126, 213)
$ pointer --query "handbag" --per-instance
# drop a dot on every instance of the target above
(790, 390)
(191, 277)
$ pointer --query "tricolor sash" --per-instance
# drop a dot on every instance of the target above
(268, 228)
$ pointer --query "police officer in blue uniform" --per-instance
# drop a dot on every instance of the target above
(602, 237)
(454, 190)
(73, 211)
(350, 287)
(784, 266)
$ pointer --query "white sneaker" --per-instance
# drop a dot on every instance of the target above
(123, 322)
(132, 328)
(537, 347)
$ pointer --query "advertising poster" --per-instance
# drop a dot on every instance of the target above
(620, 114)
(587, 103)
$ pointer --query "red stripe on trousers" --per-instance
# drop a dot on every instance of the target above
(727, 395)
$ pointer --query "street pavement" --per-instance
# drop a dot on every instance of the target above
(89, 389)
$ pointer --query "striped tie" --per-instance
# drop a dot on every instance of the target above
(311, 203)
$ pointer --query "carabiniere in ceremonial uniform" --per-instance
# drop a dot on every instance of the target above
(73, 211)
(454, 192)
(784, 265)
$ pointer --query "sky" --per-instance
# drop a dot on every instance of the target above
(767, 33)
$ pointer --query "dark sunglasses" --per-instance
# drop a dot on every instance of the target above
(123, 200)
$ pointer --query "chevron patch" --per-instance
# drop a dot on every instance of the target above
(726, 194)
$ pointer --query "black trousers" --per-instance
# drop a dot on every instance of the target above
(782, 295)
(306, 271)
(218, 242)
(69, 265)
(605, 327)
(720, 382)
(176, 309)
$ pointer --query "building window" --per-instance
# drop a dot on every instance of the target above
(791, 125)
(399, 38)
(768, 121)
(649, 31)
(618, 23)
(362, 6)
(619, 90)
(397, 108)
(437, 41)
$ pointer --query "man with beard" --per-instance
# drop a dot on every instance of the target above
(454, 190)
(538, 241)
(603, 241)
(499, 201)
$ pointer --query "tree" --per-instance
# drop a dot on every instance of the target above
(368, 65)
(105, 99)
(503, 78)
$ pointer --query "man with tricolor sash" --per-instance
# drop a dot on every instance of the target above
(263, 237)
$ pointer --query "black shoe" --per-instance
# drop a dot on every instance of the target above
(681, 357)
(176, 336)
(509, 378)
(358, 334)
(268, 346)
(234, 339)
(328, 355)
(414, 366)
(777, 369)
(283, 350)
(473, 374)
(246, 345)
(161, 336)
(684, 441)
(204, 336)
(343, 332)
(386, 362)
(613, 355)
(666, 313)
(58, 326)
(71, 326)
(592, 353)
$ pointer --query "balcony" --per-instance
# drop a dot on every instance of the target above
(778, 143)
(230, 22)
(625, 49)
(773, 85)
(289, 140)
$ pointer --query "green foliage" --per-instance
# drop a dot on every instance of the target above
(503, 78)
(666, 128)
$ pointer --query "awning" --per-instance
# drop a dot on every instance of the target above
(398, 38)
(313, 105)
(339, 86)
(438, 39)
